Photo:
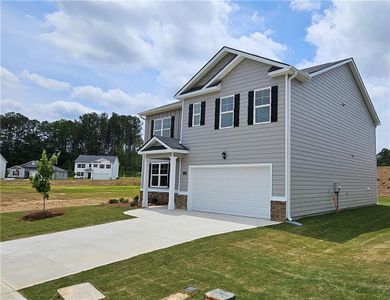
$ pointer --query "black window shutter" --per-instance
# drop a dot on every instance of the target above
(190, 114)
(236, 110)
(202, 112)
(151, 128)
(172, 126)
(216, 120)
(274, 103)
(250, 107)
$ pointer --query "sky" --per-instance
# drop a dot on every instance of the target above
(63, 59)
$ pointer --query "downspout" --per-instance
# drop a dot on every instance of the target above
(288, 145)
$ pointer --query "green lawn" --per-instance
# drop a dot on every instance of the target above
(343, 256)
(384, 201)
(74, 217)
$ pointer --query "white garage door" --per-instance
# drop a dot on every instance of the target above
(242, 190)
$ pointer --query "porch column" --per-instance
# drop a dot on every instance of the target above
(172, 182)
(145, 182)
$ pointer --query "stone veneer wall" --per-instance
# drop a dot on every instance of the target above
(162, 198)
(278, 211)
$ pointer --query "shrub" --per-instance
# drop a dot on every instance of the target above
(134, 202)
(122, 200)
(113, 201)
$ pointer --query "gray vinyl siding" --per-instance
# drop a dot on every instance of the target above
(216, 69)
(246, 144)
(331, 143)
(148, 121)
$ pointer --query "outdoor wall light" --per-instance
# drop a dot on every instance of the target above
(224, 155)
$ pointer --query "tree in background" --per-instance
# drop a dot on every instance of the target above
(41, 180)
(383, 157)
(22, 139)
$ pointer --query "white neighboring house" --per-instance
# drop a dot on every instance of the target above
(96, 167)
(29, 169)
(3, 166)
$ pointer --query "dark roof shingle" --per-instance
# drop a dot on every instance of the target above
(90, 158)
(317, 68)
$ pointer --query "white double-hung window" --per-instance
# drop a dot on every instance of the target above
(159, 176)
(196, 114)
(262, 107)
(162, 127)
(227, 112)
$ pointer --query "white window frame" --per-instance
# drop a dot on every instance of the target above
(260, 106)
(158, 175)
(198, 114)
(162, 126)
(226, 112)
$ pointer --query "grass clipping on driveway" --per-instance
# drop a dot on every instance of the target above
(343, 256)
(74, 217)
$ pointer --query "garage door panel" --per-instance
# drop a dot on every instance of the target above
(236, 190)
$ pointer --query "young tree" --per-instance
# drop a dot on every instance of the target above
(41, 180)
(383, 157)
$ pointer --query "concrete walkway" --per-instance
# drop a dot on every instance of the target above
(34, 260)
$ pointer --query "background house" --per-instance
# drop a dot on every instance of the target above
(3, 166)
(29, 169)
(96, 167)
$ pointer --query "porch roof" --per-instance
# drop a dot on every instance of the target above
(162, 144)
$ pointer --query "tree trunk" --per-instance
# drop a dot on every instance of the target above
(44, 204)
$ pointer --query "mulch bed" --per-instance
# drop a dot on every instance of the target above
(39, 215)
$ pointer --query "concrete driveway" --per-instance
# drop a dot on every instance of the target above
(34, 260)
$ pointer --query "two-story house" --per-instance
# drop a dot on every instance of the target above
(255, 137)
(100, 167)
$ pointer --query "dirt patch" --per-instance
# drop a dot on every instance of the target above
(39, 215)
(383, 181)
(51, 203)
(81, 182)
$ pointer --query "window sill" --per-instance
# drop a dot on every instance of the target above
(268, 122)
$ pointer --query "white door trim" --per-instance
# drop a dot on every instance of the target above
(191, 167)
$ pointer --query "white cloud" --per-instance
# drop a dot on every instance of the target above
(256, 18)
(65, 109)
(10, 105)
(47, 83)
(8, 78)
(305, 5)
(117, 98)
(174, 38)
(360, 30)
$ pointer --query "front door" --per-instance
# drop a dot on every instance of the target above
(89, 175)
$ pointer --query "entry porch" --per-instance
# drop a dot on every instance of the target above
(161, 158)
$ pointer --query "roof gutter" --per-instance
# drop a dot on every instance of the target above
(288, 81)
(290, 70)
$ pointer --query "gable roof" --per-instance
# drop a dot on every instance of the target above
(2, 157)
(192, 89)
(33, 165)
(162, 108)
(30, 165)
(162, 144)
(90, 158)
(238, 57)
(316, 68)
